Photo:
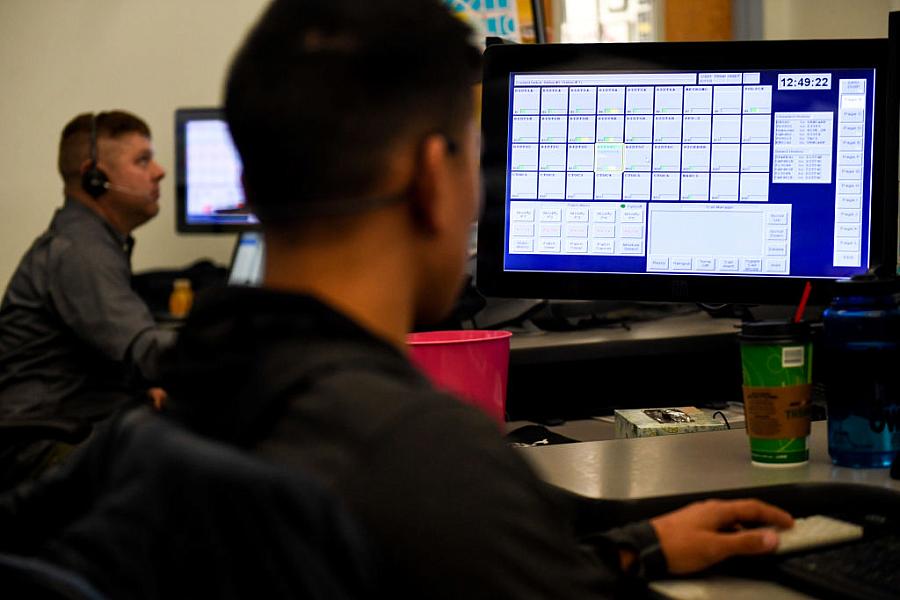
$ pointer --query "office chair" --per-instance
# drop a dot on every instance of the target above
(29, 446)
(150, 510)
(69, 431)
(35, 579)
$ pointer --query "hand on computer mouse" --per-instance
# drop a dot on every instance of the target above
(704, 533)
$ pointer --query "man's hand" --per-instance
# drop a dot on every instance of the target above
(158, 397)
(704, 533)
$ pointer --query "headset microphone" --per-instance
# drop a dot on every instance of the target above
(108, 185)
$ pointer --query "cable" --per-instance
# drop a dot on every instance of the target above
(724, 418)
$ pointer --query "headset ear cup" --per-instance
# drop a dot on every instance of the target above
(94, 182)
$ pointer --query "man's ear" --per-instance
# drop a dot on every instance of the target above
(431, 204)
(85, 165)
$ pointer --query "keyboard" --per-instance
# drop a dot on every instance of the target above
(867, 569)
(816, 531)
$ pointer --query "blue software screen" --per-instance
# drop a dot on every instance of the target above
(751, 173)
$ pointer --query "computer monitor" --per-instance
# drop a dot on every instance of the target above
(712, 172)
(248, 260)
(208, 188)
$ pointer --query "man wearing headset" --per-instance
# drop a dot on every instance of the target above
(75, 339)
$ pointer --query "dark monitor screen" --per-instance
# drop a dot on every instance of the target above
(720, 172)
(210, 197)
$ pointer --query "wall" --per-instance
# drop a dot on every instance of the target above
(63, 57)
(822, 19)
(698, 20)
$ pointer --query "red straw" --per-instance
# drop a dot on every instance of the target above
(801, 308)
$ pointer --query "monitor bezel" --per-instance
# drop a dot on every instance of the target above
(182, 117)
(502, 60)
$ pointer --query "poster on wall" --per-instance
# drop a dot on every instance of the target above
(498, 18)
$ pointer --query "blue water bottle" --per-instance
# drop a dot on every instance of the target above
(862, 371)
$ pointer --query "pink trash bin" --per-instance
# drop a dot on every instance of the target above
(470, 364)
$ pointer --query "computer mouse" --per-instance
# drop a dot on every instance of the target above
(895, 468)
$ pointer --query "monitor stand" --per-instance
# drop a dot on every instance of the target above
(574, 315)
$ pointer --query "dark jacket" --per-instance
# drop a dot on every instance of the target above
(451, 510)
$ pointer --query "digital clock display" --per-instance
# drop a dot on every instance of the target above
(804, 81)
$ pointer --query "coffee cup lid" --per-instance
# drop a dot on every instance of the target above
(774, 330)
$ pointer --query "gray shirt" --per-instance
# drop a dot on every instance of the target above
(72, 330)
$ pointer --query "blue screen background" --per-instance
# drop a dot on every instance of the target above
(813, 205)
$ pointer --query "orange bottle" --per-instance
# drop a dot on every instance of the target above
(181, 298)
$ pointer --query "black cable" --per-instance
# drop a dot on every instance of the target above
(724, 418)
(537, 13)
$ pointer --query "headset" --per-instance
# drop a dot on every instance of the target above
(94, 181)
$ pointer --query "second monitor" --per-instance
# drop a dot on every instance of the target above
(209, 193)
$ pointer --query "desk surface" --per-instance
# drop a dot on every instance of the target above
(690, 463)
(681, 464)
(668, 334)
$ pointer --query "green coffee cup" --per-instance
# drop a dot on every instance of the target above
(776, 360)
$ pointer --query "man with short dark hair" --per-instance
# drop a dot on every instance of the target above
(73, 333)
(354, 121)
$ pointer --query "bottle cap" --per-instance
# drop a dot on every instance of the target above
(181, 283)
(867, 285)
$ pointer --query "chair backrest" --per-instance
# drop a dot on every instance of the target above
(70, 431)
(29, 446)
(175, 515)
(36, 579)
